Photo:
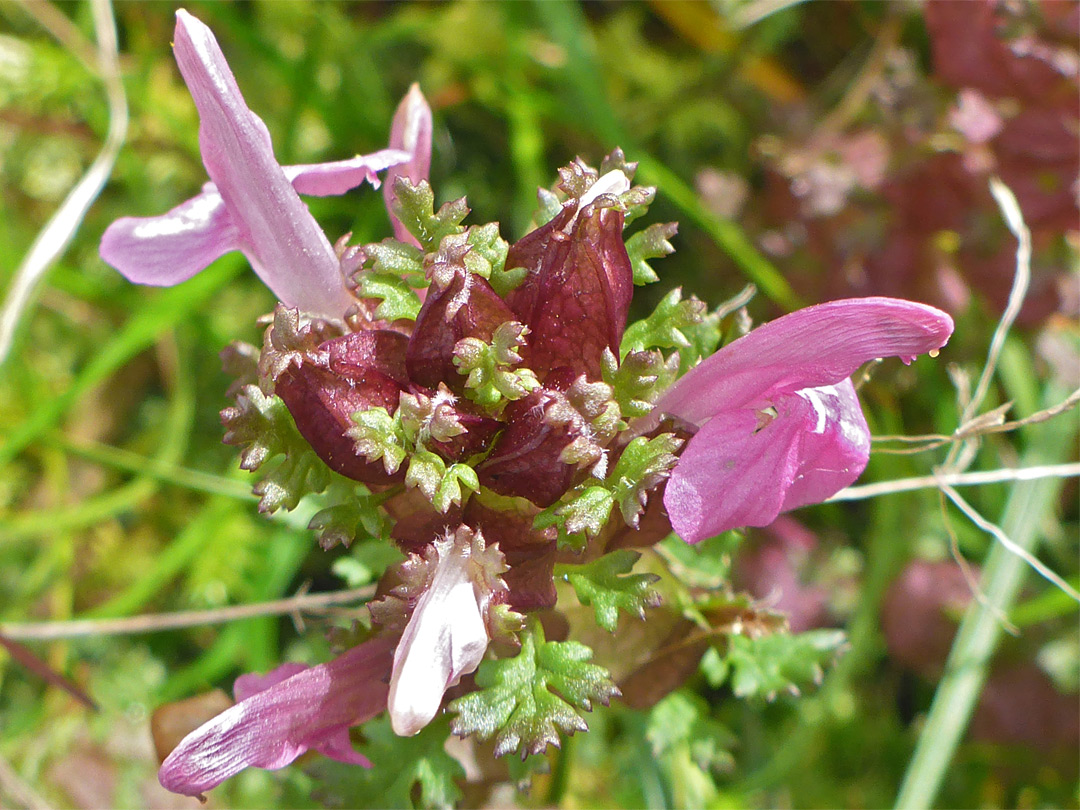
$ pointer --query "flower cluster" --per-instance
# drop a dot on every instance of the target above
(486, 404)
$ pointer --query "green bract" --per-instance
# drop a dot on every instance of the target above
(527, 701)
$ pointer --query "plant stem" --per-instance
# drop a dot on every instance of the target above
(979, 633)
(159, 622)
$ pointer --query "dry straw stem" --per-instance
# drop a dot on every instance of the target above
(1010, 209)
(158, 622)
(18, 789)
(973, 425)
(1029, 502)
(53, 239)
(1001, 476)
(65, 32)
(970, 575)
(991, 528)
(981, 425)
(962, 454)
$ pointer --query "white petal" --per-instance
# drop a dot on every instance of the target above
(445, 639)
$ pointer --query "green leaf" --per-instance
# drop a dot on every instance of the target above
(367, 561)
(583, 511)
(399, 302)
(378, 435)
(639, 379)
(527, 701)
(440, 484)
(508, 280)
(641, 467)
(770, 664)
(663, 328)
(706, 335)
(548, 205)
(683, 718)
(336, 525)
(491, 377)
(406, 771)
(426, 472)
(650, 243)
(707, 564)
(263, 428)
(357, 515)
(635, 202)
(295, 477)
(489, 250)
(608, 586)
(689, 746)
(414, 207)
(449, 489)
(390, 257)
(704, 339)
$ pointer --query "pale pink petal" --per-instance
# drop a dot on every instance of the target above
(339, 176)
(745, 466)
(311, 709)
(834, 450)
(445, 639)
(173, 247)
(410, 132)
(819, 345)
(277, 232)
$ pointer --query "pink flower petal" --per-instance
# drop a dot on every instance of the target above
(339, 747)
(173, 247)
(410, 132)
(744, 467)
(251, 683)
(279, 721)
(339, 176)
(336, 746)
(284, 243)
(819, 345)
(834, 450)
(729, 476)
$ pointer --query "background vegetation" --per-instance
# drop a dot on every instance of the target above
(816, 150)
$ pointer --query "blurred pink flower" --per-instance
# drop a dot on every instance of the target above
(779, 569)
(920, 612)
(780, 424)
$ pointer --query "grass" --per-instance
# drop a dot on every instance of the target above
(117, 498)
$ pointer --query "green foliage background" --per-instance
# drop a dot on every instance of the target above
(117, 497)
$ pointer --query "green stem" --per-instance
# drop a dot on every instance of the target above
(160, 470)
(560, 778)
(969, 660)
